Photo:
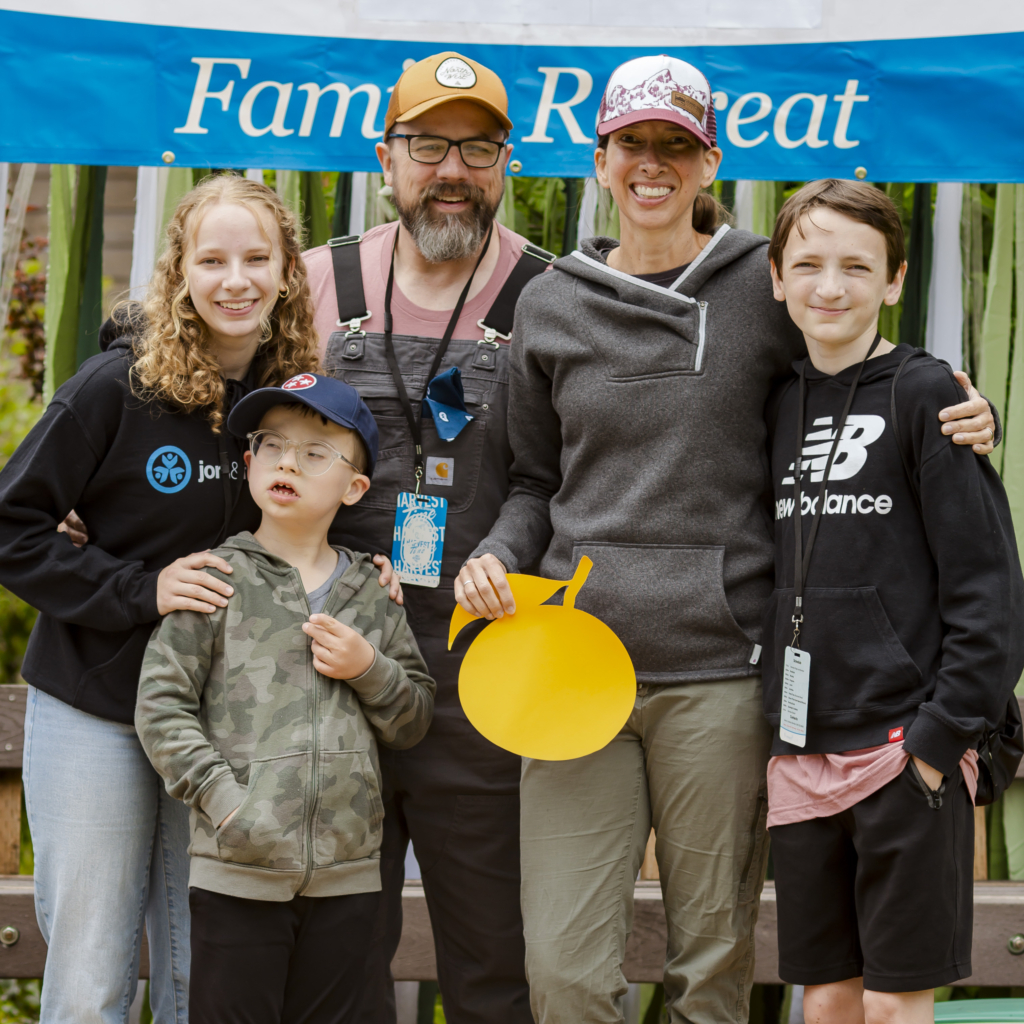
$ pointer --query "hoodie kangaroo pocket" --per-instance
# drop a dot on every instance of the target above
(858, 663)
(667, 604)
(266, 831)
(350, 814)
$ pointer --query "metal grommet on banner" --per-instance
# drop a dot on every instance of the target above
(515, 166)
(167, 157)
(861, 173)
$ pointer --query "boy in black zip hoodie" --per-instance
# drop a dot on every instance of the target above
(893, 639)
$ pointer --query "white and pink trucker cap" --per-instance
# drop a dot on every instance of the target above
(658, 88)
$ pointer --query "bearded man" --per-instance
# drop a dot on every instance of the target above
(397, 308)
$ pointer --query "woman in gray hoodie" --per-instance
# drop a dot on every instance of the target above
(638, 375)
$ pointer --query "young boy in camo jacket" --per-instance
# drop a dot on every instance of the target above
(264, 718)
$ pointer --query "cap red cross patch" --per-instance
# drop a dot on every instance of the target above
(299, 383)
(895, 735)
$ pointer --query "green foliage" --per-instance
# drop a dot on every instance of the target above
(19, 1000)
(19, 410)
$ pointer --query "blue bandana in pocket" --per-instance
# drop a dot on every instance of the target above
(446, 404)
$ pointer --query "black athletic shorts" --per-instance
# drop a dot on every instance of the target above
(883, 890)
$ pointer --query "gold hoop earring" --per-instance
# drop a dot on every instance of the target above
(285, 292)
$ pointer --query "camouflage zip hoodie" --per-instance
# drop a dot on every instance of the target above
(232, 714)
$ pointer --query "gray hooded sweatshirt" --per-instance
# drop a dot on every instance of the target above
(636, 417)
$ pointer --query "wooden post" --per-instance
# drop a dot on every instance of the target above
(10, 821)
(980, 846)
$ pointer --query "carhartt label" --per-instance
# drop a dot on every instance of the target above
(796, 684)
(440, 472)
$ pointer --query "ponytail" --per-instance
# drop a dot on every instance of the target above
(708, 214)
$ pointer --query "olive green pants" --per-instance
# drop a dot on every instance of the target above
(690, 761)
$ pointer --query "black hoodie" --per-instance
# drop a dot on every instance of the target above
(151, 485)
(914, 618)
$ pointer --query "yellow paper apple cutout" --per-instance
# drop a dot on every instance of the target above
(549, 682)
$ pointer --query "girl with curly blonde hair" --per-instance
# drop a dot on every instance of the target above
(135, 442)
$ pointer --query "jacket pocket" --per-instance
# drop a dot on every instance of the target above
(858, 663)
(350, 815)
(266, 831)
(667, 604)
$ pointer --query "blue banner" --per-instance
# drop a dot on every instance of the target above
(104, 92)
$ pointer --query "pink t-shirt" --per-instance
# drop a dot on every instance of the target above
(805, 786)
(375, 255)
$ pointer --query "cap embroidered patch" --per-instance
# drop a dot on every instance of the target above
(895, 735)
(455, 73)
(688, 103)
(299, 383)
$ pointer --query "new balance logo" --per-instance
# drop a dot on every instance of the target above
(851, 452)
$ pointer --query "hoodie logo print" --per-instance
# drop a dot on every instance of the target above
(851, 452)
(168, 469)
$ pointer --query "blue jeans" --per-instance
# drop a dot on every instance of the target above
(110, 850)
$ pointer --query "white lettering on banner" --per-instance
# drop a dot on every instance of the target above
(846, 102)
(284, 94)
(345, 94)
(584, 83)
(201, 93)
(836, 504)
(813, 127)
(811, 138)
(736, 118)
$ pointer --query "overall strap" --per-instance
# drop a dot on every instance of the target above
(348, 281)
(498, 321)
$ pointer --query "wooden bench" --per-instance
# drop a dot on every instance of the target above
(998, 906)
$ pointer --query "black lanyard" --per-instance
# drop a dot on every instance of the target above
(803, 558)
(415, 420)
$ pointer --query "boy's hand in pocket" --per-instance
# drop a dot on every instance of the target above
(339, 652)
(932, 776)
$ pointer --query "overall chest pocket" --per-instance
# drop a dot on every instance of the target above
(457, 461)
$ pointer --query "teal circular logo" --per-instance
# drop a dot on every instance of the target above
(168, 469)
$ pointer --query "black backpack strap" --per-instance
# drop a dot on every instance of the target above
(498, 321)
(348, 282)
(914, 485)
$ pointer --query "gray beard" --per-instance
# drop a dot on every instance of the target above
(453, 236)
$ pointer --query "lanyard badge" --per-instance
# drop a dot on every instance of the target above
(419, 538)
(796, 673)
(418, 541)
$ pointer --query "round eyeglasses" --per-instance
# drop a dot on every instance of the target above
(432, 149)
(314, 458)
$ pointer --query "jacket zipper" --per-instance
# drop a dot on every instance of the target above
(700, 339)
(315, 794)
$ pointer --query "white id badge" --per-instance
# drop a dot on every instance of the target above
(796, 683)
(419, 538)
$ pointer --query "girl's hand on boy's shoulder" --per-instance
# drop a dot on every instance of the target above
(339, 652)
(389, 578)
(970, 422)
(183, 586)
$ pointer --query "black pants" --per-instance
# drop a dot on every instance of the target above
(883, 890)
(456, 797)
(258, 962)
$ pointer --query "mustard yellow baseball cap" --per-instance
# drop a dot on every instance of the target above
(440, 79)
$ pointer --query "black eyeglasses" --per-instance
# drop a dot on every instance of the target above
(432, 149)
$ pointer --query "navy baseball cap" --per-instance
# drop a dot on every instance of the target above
(338, 401)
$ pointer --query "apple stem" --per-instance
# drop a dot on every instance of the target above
(577, 581)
